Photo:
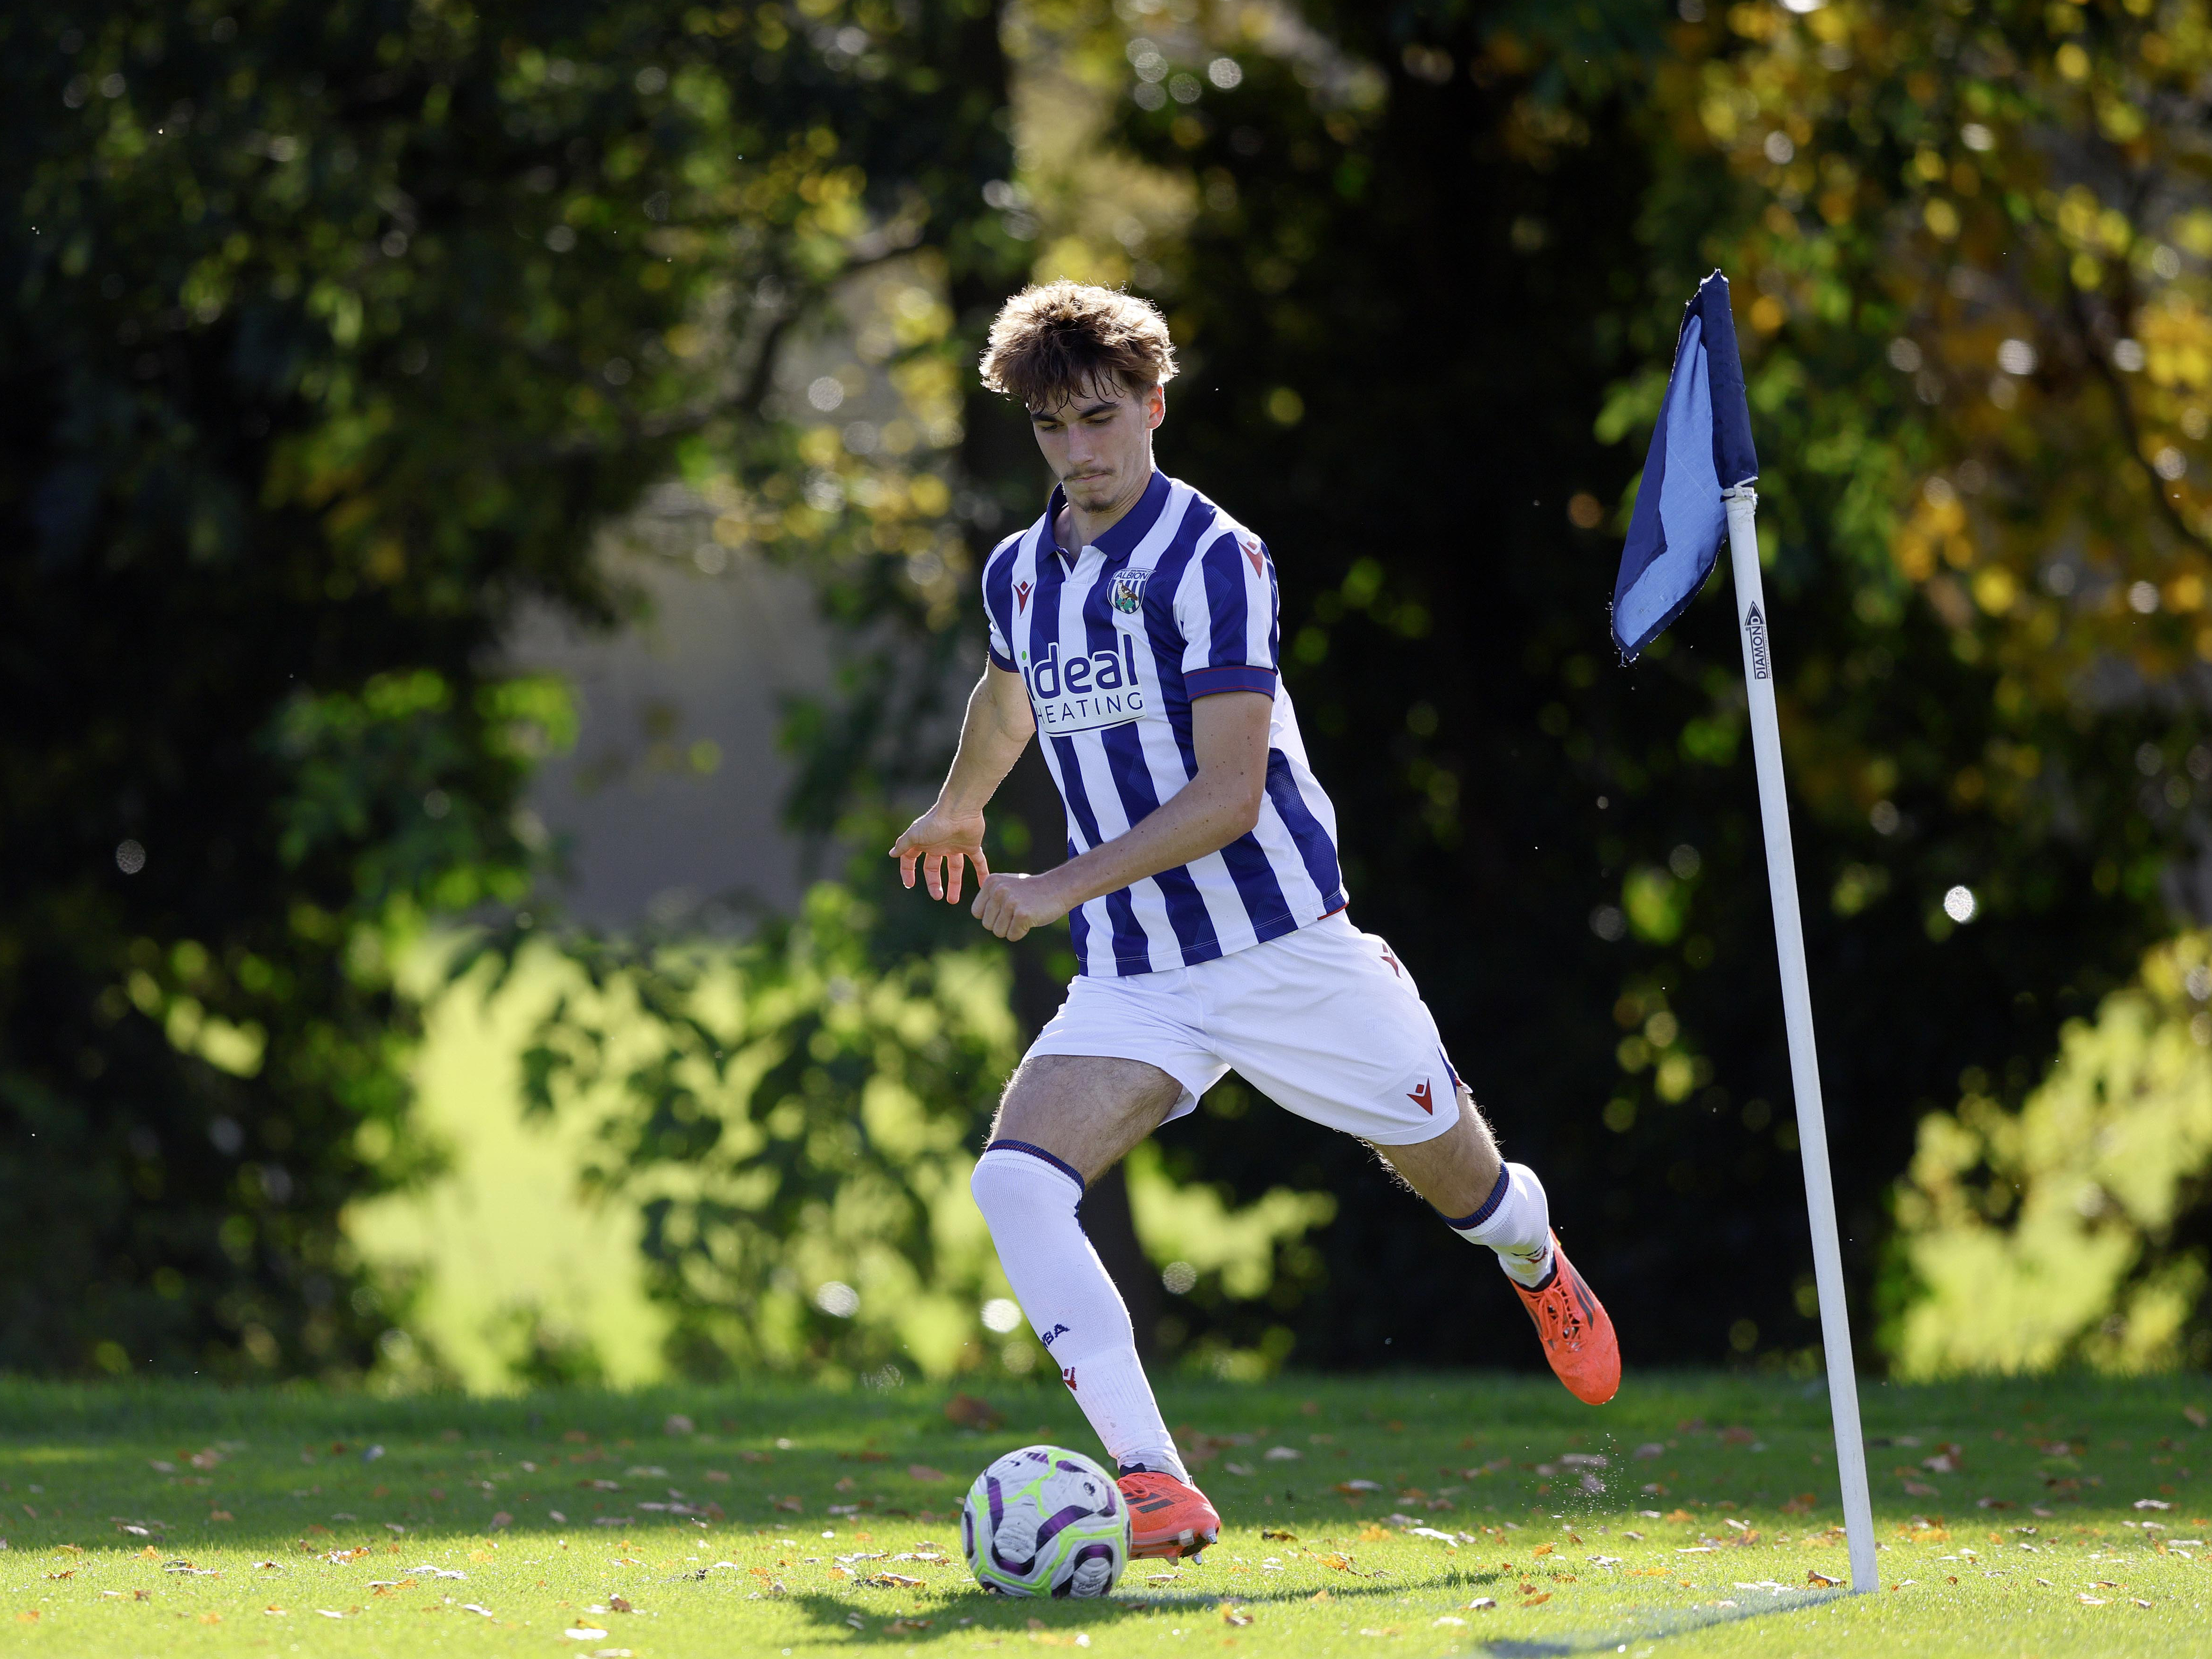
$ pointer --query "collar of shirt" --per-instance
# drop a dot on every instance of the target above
(1125, 533)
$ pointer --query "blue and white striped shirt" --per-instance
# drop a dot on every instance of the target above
(1176, 602)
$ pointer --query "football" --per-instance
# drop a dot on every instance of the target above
(1045, 1521)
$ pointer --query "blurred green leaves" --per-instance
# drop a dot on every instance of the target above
(793, 1113)
(2069, 1231)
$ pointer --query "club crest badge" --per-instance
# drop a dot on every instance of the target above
(1128, 594)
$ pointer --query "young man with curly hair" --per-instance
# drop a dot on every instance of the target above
(1134, 633)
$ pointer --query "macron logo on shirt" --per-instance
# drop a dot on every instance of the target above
(1081, 693)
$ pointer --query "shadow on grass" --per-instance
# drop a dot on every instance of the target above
(981, 1613)
(1653, 1623)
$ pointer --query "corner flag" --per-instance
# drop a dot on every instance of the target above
(1696, 488)
(1701, 447)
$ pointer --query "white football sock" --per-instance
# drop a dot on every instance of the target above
(1516, 1220)
(1028, 1198)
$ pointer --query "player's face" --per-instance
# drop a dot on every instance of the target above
(1099, 445)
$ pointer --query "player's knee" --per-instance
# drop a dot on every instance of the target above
(987, 1186)
(1008, 1185)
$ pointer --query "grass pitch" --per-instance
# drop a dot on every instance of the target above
(1409, 1514)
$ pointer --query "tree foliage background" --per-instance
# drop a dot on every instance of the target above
(335, 332)
(331, 334)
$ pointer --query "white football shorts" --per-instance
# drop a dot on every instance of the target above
(1325, 1021)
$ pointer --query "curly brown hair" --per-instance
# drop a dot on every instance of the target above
(1054, 342)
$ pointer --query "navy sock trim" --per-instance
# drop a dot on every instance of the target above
(1064, 1168)
(1489, 1204)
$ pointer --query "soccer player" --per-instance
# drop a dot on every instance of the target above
(1134, 632)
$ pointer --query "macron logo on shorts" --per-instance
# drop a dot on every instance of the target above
(1422, 1098)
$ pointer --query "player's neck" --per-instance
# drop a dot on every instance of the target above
(1076, 529)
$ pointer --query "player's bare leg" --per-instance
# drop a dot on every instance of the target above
(1087, 1112)
(1065, 1120)
(1488, 1201)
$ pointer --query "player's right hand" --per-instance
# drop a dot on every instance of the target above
(943, 844)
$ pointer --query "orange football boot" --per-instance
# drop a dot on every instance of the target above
(1576, 1334)
(1167, 1517)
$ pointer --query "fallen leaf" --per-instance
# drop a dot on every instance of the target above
(923, 1472)
(2091, 1600)
(584, 1633)
(2196, 1415)
(971, 1413)
(1482, 1604)
(1236, 1616)
(618, 1604)
(1920, 1489)
(1279, 1534)
(905, 1626)
(1541, 1595)
(1371, 1534)
(678, 1423)
(1321, 1595)
(1541, 1549)
(2152, 1503)
(1353, 1488)
(1822, 1580)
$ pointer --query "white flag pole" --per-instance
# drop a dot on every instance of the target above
(1797, 1014)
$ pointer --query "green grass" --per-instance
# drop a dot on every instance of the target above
(258, 1515)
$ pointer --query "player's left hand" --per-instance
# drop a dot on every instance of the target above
(1010, 905)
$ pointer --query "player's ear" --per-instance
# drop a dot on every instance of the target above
(1156, 405)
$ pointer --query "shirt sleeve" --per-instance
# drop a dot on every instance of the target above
(1002, 654)
(1226, 609)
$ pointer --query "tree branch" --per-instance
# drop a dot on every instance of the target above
(2130, 431)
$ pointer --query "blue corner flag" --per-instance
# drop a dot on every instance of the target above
(1702, 447)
